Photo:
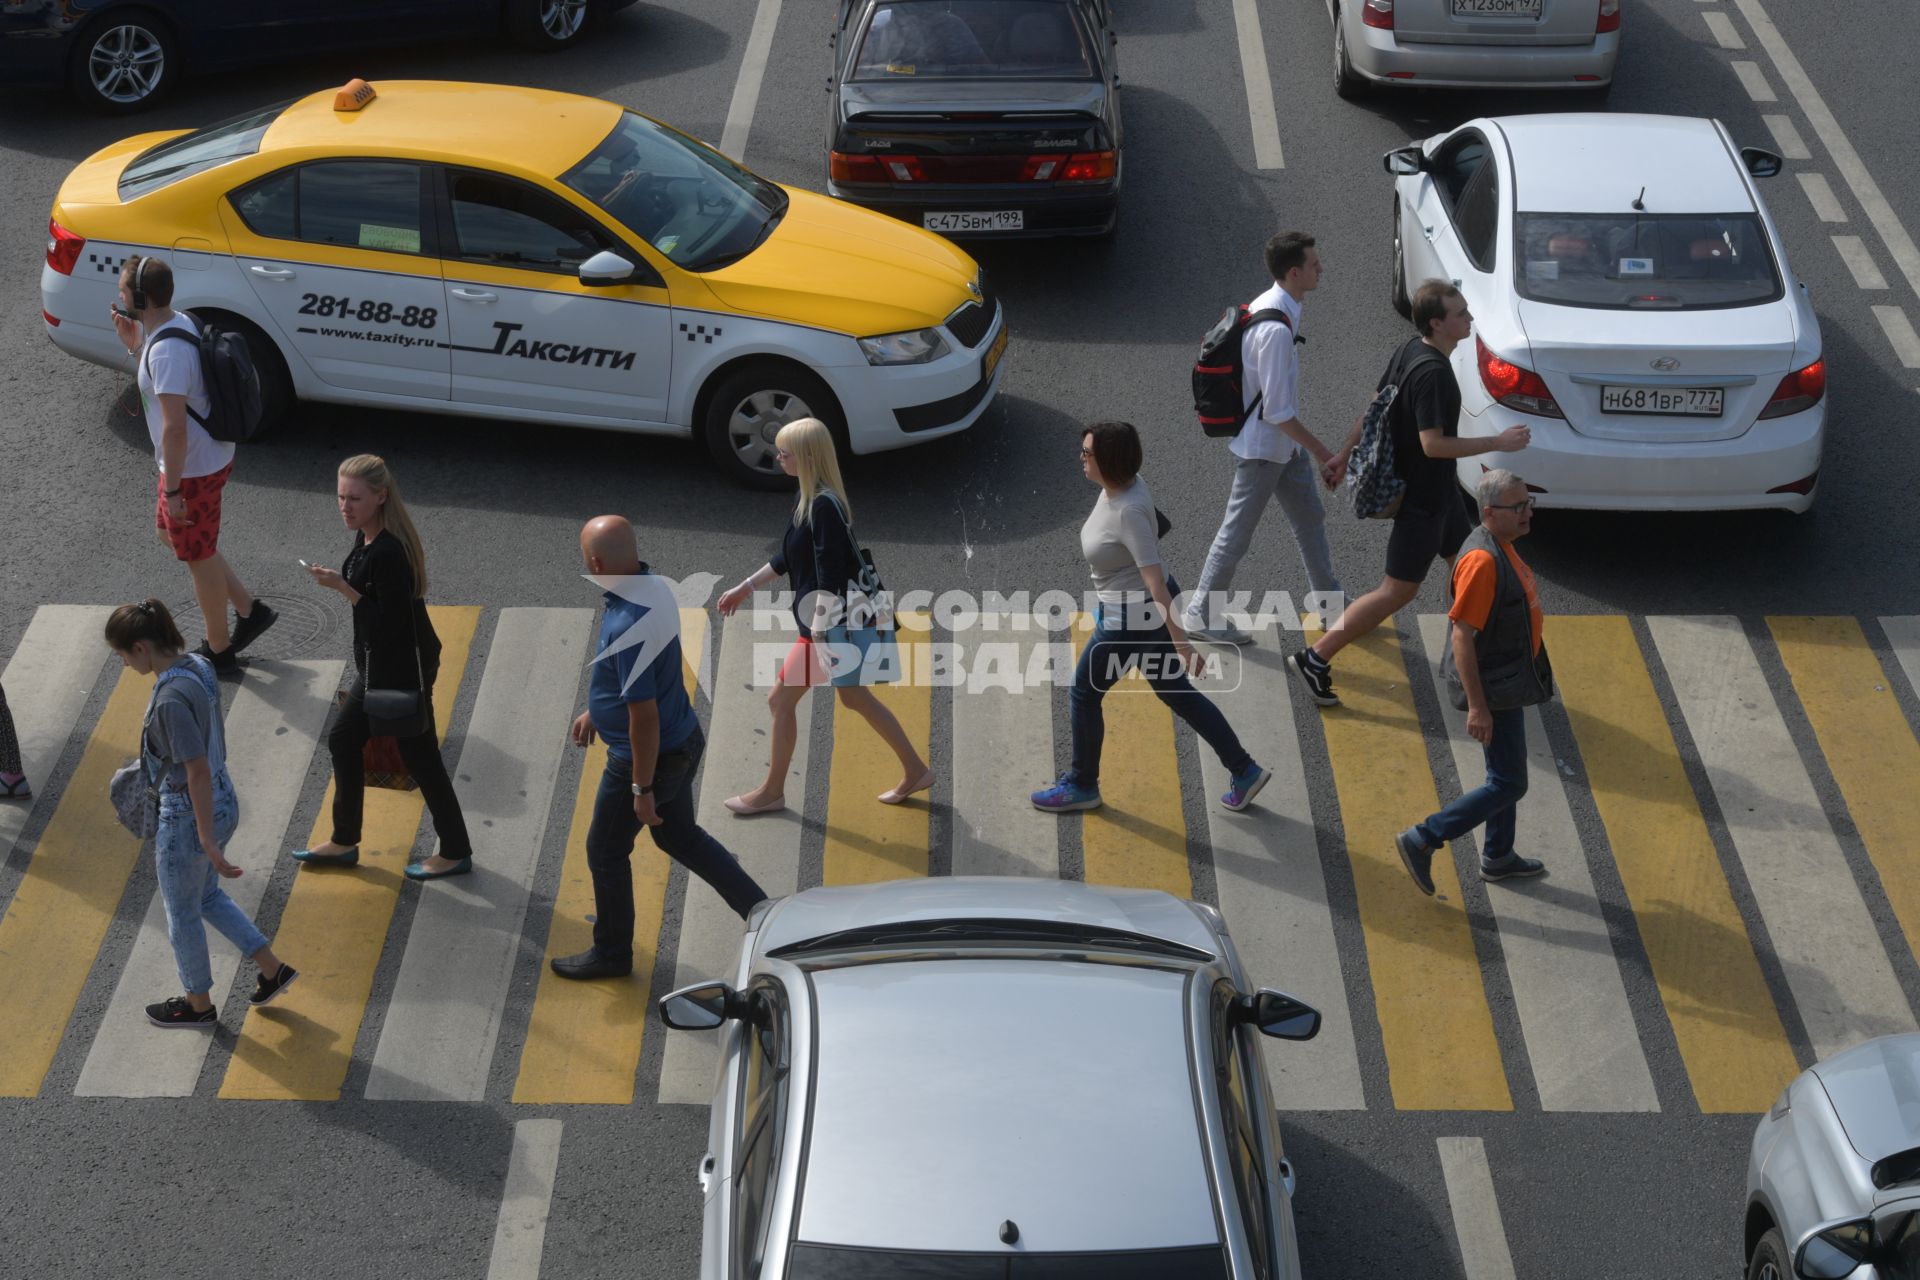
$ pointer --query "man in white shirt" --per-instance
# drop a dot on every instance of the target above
(193, 465)
(1275, 457)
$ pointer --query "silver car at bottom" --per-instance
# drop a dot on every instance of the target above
(966, 1078)
(1833, 1185)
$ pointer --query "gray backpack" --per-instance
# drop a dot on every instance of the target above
(1373, 482)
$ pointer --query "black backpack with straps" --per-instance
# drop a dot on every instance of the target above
(234, 408)
(1219, 373)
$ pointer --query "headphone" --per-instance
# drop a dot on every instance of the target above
(134, 285)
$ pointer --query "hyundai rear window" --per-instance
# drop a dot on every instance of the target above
(196, 152)
(834, 1262)
(973, 39)
(1651, 262)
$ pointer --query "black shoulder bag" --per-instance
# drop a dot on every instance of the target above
(400, 713)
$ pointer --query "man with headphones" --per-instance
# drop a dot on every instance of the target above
(193, 465)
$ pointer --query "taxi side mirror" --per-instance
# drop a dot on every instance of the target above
(1277, 1014)
(1404, 162)
(700, 1008)
(605, 268)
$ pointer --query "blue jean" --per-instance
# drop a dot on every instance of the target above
(1493, 802)
(610, 844)
(190, 887)
(1111, 651)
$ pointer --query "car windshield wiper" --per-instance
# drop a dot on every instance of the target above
(1041, 931)
(728, 259)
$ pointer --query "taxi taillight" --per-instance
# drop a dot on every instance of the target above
(63, 248)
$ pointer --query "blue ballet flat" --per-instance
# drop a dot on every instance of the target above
(350, 858)
(418, 870)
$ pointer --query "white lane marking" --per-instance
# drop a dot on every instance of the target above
(1787, 138)
(1253, 69)
(1899, 331)
(1859, 260)
(525, 1202)
(1820, 195)
(1903, 633)
(1830, 954)
(1002, 751)
(1568, 994)
(443, 1022)
(1754, 81)
(746, 88)
(1476, 1209)
(1906, 257)
(50, 675)
(768, 846)
(1267, 877)
(1723, 30)
(276, 720)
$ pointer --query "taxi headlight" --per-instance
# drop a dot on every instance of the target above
(918, 346)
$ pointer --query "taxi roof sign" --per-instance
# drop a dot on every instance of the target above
(355, 94)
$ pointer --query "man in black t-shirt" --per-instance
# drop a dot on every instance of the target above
(1431, 522)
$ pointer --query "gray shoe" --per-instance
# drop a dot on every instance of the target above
(1512, 868)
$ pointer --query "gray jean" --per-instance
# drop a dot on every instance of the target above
(1295, 486)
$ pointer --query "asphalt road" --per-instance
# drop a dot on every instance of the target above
(200, 1186)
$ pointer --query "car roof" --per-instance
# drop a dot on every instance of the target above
(1575, 163)
(1875, 1090)
(951, 1095)
(825, 910)
(536, 130)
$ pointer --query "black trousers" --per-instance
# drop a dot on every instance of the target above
(421, 752)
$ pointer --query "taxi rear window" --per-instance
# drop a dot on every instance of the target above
(196, 152)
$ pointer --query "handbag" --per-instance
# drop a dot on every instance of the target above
(134, 788)
(399, 713)
(865, 653)
(381, 765)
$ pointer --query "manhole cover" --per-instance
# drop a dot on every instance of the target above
(308, 625)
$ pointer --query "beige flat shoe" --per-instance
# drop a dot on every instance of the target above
(739, 806)
(899, 794)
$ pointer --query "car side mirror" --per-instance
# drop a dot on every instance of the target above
(605, 268)
(700, 1008)
(1404, 162)
(1278, 1014)
(1835, 1250)
(1760, 162)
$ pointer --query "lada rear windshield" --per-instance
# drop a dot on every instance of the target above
(973, 40)
(196, 152)
(1641, 261)
(831, 1262)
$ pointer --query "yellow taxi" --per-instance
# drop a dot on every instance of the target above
(504, 252)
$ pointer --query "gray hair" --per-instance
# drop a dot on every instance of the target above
(1493, 484)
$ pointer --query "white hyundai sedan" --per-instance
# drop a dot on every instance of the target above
(1632, 305)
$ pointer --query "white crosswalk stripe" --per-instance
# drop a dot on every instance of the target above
(1002, 752)
(1903, 633)
(47, 682)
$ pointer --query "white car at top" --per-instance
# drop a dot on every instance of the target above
(1632, 305)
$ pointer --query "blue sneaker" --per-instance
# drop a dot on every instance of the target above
(1246, 785)
(1066, 796)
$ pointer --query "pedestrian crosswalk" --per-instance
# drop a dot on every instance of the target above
(1723, 805)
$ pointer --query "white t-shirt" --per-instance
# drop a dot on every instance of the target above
(1120, 536)
(1271, 363)
(172, 368)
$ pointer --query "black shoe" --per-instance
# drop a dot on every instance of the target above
(225, 663)
(265, 988)
(591, 964)
(175, 1011)
(1417, 859)
(1511, 868)
(251, 627)
(1316, 675)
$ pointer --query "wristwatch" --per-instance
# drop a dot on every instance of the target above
(643, 789)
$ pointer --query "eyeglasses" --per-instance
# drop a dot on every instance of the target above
(781, 453)
(1520, 507)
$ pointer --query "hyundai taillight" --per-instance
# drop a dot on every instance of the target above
(1798, 391)
(842, 167)
(1089, 166)
(1609, 17)
(1515, 387)
(1377, 13)
(63, 248)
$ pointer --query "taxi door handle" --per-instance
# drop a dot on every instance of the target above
(474, 295)
(272, 273)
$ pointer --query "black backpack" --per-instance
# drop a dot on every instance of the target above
(234, 409)
(1217, 394)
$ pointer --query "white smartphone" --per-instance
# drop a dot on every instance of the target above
(303, 564)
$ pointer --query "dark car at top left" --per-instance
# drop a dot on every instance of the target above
(120, 56)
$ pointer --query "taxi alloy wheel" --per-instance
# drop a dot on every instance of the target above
(747, 411)
(548, 24)
(123, 65)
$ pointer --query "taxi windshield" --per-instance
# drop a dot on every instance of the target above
(698, 208)
(198, 151)
(973, 40)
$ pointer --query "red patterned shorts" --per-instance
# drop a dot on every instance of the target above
(198, 536)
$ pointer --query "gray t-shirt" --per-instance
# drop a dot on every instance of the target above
(1119, 537)
(184, 727)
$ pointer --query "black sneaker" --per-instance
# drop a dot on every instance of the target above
(174, 1011)
(265, 988)
(1511, 868)
(1317, 675)
(250, 628)
(591, 964)
(225, 663)
(1416, 858)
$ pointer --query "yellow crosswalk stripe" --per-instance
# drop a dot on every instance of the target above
(335, 925)
(1729, 1033)
(60, 912)
(868, 841)
(583, 1042)
(1428, 993)
(1138, 838)
(1868, 744)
